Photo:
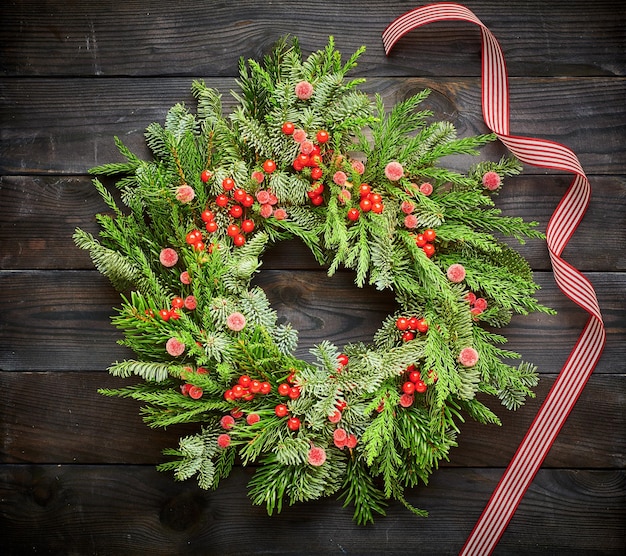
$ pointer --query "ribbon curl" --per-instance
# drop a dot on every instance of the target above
(563, 223)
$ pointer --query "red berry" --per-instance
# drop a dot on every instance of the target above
(178, 302)
(229, 395)
(402, 324)
(247, 226)
(406, 400)
(193, 237)
(281, 410)
(269, 166)
(364, 190)
(238, 390)
(316, 173)
(413, 323)
(164, 314)
(414, 376)
(366, 205)
(255, 386)
(335, 417)
(322, 136)
(207, 215)
(266, 388)
(293, 423)
(239, 195)
(232, 230)
(429, 250)
(341, 405)
(376, 198)
(420, 241)
(211, 227)
(420, 386)
(430, 235)
(221, 200)
(236, 211)
(195, 392)
(228, 184)
(353, 214)
(283, 389)
(297, 165)
(342, 358)
(205, 176)
(244, 380)
(377, 208)
(422, 326)
(408, 387)
(184, 389)
(294, 392)
(407, 336)
(199, 246)
(288, 128)
(248, 200)
(317, 201)
(239, 240)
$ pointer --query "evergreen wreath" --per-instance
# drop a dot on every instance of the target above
(307, 155)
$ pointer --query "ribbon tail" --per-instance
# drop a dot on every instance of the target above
(586, 353)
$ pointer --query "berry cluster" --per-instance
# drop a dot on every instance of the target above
(246, 389)
(477, 304)
(187, 389)
(369, 201)
(177, 303)
(409, 326)
(414, 384)
(342, 439)
(425, 240)
(289, 388)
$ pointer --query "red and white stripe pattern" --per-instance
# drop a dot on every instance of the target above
(584, 356)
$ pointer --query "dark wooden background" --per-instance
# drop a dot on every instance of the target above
(77, 470)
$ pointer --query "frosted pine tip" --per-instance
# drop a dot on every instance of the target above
(491, 181)
(304, 90)
(190, 302)
(185, 278)
(174, 347)
(185, 193)
(394, 171)
(317, 456)
(168, 257)
(456, 273)
(236, 322)
(468, 357)
(252, 418)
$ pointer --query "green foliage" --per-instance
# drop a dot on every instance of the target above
(209, 348)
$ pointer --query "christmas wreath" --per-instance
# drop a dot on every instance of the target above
(307, 155)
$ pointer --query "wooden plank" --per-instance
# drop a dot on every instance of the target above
(67, 125)
(38, 216)
(60, 320)
(103, 38)
(135, 510)
(60, 417)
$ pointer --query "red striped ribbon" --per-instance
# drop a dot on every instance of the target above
(584, 356)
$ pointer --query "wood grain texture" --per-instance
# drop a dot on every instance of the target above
(49, 416)
(135, 510)
(60, 320)
(77, 470)
(58, 126)
(198, 37)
